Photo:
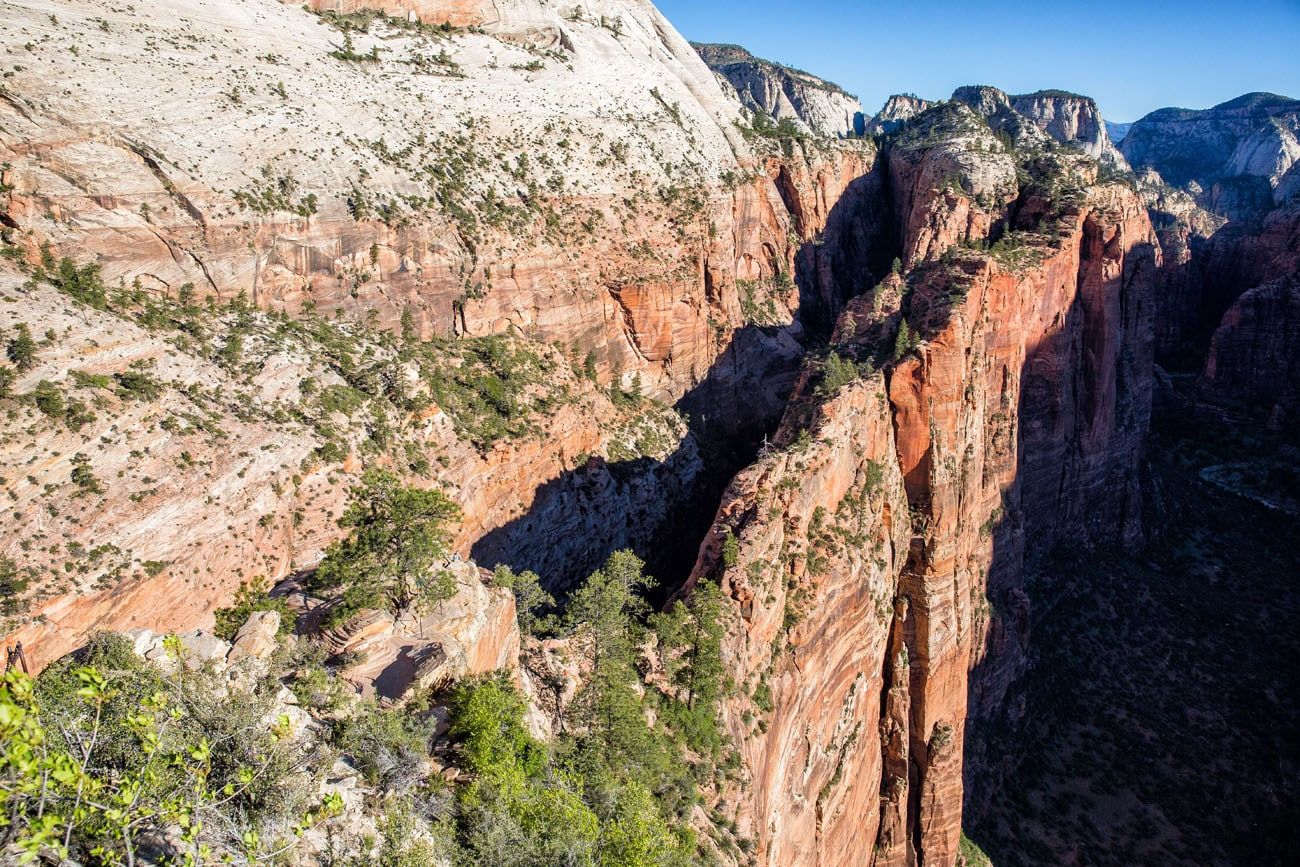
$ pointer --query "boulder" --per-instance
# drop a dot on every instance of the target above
(257, 637)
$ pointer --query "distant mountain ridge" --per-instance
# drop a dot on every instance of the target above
(784, 92)
(1247, 147)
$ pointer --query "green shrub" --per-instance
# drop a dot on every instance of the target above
(136, 384)
(730, 549)
(252, 596)
(388, 745)
(48, 398)
(102, 754)
(12, 585)
(21, 348)
(837, 372)
(532, 603)
(396, 535)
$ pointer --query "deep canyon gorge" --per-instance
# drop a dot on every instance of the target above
(973, 429)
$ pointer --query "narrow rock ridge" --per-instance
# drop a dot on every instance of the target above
(880, 542)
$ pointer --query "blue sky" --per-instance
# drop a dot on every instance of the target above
(1133, 56)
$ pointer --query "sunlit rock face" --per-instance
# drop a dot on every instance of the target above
(782, 93)
(862, 551)
(572, 181)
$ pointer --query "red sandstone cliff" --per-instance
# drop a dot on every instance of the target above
(657, 243)
(869, 549)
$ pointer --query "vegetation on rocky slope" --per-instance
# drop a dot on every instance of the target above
(111, 759)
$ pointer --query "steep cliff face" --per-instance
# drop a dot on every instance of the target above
(783, 93)
(1254, 358)
(1228, 222)
(913, 497)
(1252, 137)
(521, 203)
(652, 252)
(1070, 118)
(897, 109)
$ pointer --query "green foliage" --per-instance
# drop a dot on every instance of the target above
(905, 340)
(837, 372)
(409, 333)
(252, 596)
(487, 722)
(85, 284)
(489, 386)
(348, 53)
(12, 585)
(103, 758)
(83, 477)
(690, 637)
(1017, 251)
(730, 549)
(279, 193)
(761, 125)
(532, 602)
(386, 744)
(396, 535)
(526, 808)
(607, 609)
(758, 299)
(137, 384)
(48, 398)
(21, 348)
(970, 854)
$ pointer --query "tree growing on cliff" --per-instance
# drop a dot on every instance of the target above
(606, 611)
(398, 533)
(905, 341)
(690, 639)
(21, 349)
(532, 603)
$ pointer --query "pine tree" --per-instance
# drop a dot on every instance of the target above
(605, 610)
(397, 534)
(408, 326)
(22, 349)
(905, 342)
(690, 636)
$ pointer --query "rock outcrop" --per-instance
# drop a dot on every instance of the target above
(897, 109)
(472, 632)
(780, 92)
(1254, 359)
(1071, 119)
(879, 547)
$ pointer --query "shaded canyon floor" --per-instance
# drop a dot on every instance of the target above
(1160, 716)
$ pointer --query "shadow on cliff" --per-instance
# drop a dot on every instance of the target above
(1193, 296)
(661, 508)
(1079, 745)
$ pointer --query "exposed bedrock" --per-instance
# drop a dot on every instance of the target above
(880, 542)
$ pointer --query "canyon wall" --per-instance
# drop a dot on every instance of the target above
(614, 224)
(812, 104)
(879, 548)
(1253, 364)
(576, 184)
